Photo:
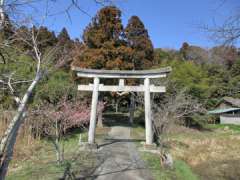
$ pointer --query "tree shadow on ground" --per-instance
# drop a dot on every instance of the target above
(109, 120)
(90, 172)
(112, 141)
(75, 168)
(122, 168)
(116, 119)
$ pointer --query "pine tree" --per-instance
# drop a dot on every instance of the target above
(138, 39)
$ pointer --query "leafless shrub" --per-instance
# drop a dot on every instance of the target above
(174, 111)
(168, 112)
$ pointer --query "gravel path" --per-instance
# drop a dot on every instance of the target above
(121, 159)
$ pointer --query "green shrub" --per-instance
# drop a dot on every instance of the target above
(55, 87)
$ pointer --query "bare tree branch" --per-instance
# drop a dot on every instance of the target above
(228, 32)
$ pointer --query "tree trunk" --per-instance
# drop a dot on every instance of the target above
(9, 139)
(2, 14)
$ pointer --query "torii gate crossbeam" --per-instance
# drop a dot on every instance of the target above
(121, 75)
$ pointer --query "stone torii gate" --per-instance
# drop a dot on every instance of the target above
(147, 88)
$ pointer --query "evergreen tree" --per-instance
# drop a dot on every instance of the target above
(65, 46)
(184, 50)
(45, 38)
(235, 70)
(104, 45)
(8, 30)
(6, 33)
(105, 27)
(138, 39)
(63, 36)
(23, 33)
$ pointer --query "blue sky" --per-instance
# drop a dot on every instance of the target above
(169, 22)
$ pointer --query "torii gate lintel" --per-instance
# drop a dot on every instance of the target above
(147, 88)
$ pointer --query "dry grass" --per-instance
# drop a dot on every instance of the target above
(26, 146)
(212, 154)
(35, 158)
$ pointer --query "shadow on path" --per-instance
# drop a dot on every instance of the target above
(121, 158)
(118, 157)
(112, 141)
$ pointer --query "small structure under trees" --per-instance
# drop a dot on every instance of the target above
(228, 110)
(147, 88)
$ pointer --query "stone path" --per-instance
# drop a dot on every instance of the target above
(121, 159)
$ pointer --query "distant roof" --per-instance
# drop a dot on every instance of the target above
(220, 111)
(233, 101)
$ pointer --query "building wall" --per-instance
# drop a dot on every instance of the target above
(229, 119)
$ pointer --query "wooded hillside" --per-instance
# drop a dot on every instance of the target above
(200, 79)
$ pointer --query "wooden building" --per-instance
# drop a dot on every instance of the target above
(228, 111)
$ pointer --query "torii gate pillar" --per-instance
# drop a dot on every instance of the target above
(121, 75)
(148, 119)
(93, 116)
